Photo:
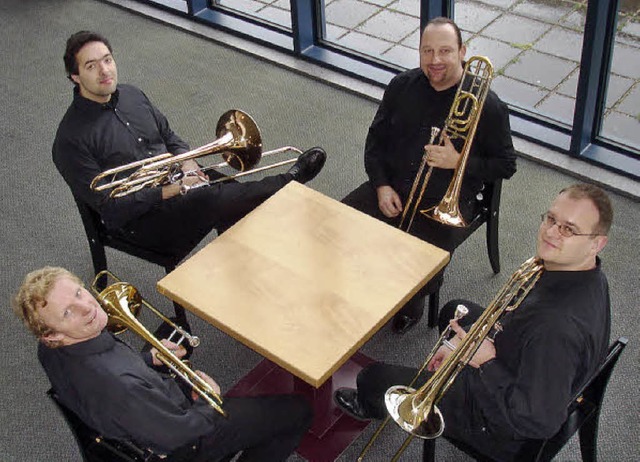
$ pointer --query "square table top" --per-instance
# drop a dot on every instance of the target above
(304, 280)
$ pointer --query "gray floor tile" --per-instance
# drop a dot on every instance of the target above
(498, 52)
(619, 86)
(413, 40)
(276, 16)
(517, 93)
(410, 7)
(516, 29)
(473, 16)
(364, 43)
(575, 20)
(349, 13)
(622, 128)
(561, 42)
(501, 3)
(334, 32)
(626, 61)
(390, 25)
(539, 69)
(630, 104)
(545, 10)
(406, 57)
(570, 85)
(631, 28)
(248, 6)
(558, 107)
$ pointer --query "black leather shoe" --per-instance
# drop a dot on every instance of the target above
(403, 323)
(308, 165)
(347, 400)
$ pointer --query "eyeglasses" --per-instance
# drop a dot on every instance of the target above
(563, 229)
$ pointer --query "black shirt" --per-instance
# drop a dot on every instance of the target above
(547, 349)
(109, 386)
(93, 137)
(402, 127)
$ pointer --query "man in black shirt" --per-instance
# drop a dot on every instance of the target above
(413, 103)
(120, 394)
(518, 385)
(109, 125)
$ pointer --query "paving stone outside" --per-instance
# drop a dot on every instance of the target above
(563, 43)
(535, 46)
(539, 69)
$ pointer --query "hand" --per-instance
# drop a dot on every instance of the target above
(211, 383)
(445, 156)
(191, 167)
(173, 189)
(486, 352)
(389, 202)
(176, 349)
(439, 357)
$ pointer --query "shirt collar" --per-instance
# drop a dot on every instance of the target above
(103, 342)
(89, 105)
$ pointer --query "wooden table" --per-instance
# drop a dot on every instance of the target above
(305, 281)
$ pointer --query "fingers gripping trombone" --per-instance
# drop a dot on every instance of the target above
(122, 302)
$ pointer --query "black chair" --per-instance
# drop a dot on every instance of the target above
(583, 417)
(99, 237)
(95, 448)
(489, 213)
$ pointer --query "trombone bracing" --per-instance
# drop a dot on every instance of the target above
(461, 123)
(415, 411)
(122, 302)
(238, 142)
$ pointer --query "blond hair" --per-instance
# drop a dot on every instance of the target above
(32, 296)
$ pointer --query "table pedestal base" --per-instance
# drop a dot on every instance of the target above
(332, 430)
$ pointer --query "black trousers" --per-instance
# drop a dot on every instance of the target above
(264, 428)
(365, 199)
(178, 224)
(374, 380)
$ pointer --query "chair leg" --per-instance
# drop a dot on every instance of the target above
(181, 315)
(429, 450)
(99, 258)
(434, 307)
(492, 242)
(589, 438)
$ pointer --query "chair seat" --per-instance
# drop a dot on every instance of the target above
(94, 447)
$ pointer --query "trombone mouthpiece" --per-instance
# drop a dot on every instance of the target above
(461, 312)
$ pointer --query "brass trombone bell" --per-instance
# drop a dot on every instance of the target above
(238, 142)
(119, 296)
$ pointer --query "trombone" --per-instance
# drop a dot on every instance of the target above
(238, 142)
(122, 302)
(461, 123)
(415, 411)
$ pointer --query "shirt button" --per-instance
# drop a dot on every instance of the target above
(126, 123)
(484, 429)
(139, 140)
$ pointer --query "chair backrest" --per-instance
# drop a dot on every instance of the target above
(584, 411)
(95, 448)
(99, 237)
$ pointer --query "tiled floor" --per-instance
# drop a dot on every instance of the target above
(535, 46)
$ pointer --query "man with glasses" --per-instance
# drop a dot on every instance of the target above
(518, 384)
